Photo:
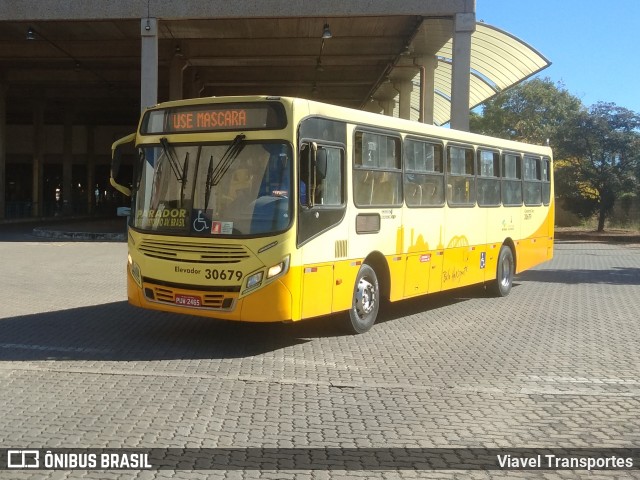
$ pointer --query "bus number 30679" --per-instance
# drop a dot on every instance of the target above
(214, 274)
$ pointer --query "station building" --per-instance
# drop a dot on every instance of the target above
(75, 75)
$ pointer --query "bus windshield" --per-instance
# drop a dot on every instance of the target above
(237, 188)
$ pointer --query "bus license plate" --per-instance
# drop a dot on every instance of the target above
(188, 300)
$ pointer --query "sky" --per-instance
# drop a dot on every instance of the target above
(593, 45)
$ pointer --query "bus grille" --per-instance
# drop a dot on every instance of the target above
(215, 301)
(193, 252)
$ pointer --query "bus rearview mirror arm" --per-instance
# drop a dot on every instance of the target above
(116, 161)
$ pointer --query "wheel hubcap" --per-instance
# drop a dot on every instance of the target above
(365, 297)
(506, 272)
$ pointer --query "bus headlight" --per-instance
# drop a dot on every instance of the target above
(278, 269)
(254, 280)
(134, 268)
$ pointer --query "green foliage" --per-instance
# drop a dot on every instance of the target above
(532, 112)
(604, 144)
(597, 150)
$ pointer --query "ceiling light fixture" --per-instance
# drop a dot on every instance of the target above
(326, 32)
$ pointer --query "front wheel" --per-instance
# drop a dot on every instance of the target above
(366, 301)
(501, 286)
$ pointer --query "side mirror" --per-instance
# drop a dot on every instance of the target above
(116, 161)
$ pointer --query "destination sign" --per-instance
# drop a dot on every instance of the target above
(215, 117)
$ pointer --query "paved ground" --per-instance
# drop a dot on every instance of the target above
(553, 365)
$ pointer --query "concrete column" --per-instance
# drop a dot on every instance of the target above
(3, 148)
(428, 65)
(464, 25)
(388, 106)
(149, 63)
(196, 86)
(176, 77)
(38, 159)
(404, 87)
(373, 106)
(91, 169)
(67, 163)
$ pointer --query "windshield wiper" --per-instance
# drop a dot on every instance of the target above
(185, 169)
(207, 192)
(175, 166)
(214, 175)
(228, 157)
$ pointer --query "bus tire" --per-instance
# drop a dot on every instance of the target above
(366, 301)
(505, 270)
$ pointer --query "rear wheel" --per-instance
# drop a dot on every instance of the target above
(501, 286)
(366, 300)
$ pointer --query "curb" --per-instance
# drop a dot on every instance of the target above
(586, 237)
(84, 236)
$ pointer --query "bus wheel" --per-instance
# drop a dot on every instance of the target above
(366, 300)
(501, 286)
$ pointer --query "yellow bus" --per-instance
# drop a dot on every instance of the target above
(269, 209)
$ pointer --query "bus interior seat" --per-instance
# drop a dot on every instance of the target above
(414, 190)
(364, 194)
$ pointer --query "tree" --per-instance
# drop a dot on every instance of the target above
(603, 157)
(596, 150)
(533, 112)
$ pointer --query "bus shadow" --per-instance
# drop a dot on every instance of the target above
(119, 332)
(613, 276)
(434, 301)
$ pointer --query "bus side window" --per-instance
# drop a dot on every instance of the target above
(328, 188)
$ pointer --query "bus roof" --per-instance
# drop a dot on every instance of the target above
(362, 117)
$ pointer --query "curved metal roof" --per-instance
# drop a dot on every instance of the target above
(499, 60)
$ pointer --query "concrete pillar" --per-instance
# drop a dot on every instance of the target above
(38, 160)
(149, 63)
(67, 163)
(373, 106)
(176, 77)
(388, 106)
(428, 65)
(196, 84)
(3, 148)
(404, 88)
(91, 169)
(464, 25)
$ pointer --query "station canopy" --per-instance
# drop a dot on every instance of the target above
(499, 61)
(92, 67)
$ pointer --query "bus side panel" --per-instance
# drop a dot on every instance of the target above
(344, 279)
(532, 249)
(550, 225)
(417, 274)
(435, 278)
(397, 271)
(492, 251)
(423, 241)
(465, 237)
(317, 290)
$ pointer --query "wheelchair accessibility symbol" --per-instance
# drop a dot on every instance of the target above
(201, 223)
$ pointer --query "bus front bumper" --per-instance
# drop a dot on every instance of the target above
(271, 303)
